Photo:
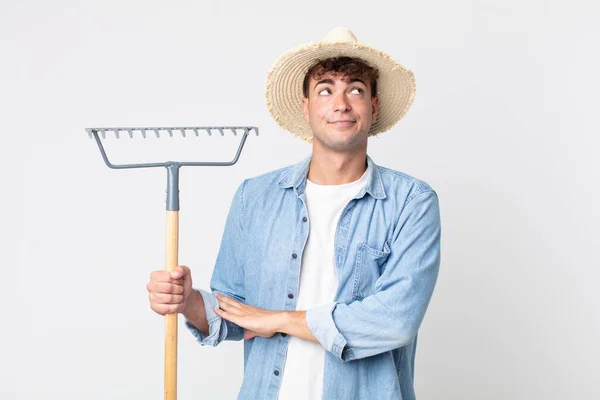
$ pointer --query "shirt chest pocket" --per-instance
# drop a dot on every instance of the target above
(370, 264)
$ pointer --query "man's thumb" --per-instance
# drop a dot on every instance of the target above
(184, 271)
(249, 334)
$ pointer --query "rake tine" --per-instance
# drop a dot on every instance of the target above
(185, 131)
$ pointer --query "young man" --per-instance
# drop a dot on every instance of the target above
(326, 267)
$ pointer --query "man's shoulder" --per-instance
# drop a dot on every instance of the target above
(265, 183)
(268, 178)
(401, 184)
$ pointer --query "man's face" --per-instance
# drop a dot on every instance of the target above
(340, 111)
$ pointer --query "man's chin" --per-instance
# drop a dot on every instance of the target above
(342, 143)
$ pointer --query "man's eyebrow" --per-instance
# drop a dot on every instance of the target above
(326, 80)
(331, 82)
(357, 80)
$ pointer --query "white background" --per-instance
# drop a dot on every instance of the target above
(504, 127)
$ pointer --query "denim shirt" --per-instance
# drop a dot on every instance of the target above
(387, 258)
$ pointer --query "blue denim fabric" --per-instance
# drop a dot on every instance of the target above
(387, 256)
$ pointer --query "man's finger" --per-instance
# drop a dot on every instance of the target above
(160, 276)
(228, 301)
(164, 298)
(228, 307)
(162, 287)
(225, 315)
(165, 308)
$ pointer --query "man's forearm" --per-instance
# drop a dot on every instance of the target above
(294, 323)
(195, 312)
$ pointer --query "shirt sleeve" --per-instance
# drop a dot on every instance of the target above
(390, 317)
(228, 278)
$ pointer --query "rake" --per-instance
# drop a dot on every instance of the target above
(172, 226)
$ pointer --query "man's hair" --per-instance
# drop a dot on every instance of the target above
(349, 67)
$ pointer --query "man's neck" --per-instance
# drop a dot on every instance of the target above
(337, 168)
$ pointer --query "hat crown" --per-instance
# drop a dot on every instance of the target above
(340, 34)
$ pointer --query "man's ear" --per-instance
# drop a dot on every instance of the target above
(374, 108)
(305, 108)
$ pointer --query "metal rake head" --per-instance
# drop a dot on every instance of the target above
(172, 166)
(95, 133)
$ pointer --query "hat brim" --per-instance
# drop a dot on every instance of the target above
(283, 92)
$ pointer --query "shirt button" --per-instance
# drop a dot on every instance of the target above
(276, 373)
(290, 296)
(294, 255)
(304, 219)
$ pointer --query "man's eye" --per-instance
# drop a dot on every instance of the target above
(356, 91)
(324, 91)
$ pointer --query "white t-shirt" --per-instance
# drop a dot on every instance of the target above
(303, 371)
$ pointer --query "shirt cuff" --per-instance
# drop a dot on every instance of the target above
(217, 331)
(320, 323)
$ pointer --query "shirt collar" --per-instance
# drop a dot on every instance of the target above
(297, 175)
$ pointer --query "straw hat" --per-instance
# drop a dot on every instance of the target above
(283, 92)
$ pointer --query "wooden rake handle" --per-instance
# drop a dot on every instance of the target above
(172, 246)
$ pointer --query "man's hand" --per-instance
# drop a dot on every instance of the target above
(169, 291)
(256, 321)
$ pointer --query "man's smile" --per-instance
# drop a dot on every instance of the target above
(344, 122)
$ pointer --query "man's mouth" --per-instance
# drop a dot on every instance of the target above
(344, 122)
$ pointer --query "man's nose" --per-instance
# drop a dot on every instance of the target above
(341, 103)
